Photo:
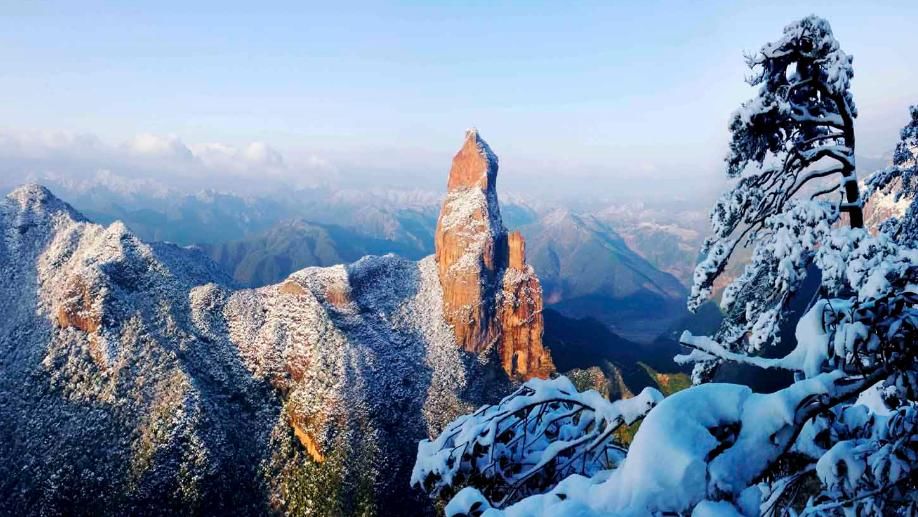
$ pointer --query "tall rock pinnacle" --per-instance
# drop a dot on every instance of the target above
(468, 241)
(490, 295)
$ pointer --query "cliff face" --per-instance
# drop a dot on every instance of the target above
(490, 295)
(470, 244)
(522, 354)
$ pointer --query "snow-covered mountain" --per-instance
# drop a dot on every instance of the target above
(161, 213)
(137, 379)
(134, 379)
(668, 237)
(883, 205)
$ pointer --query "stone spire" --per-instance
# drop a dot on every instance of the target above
(490, 295)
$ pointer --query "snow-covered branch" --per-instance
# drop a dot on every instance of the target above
(525, 444)
(708, 445)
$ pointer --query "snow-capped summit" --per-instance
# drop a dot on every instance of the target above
(34, 202)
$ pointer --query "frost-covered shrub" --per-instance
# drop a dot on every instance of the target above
(540, 434)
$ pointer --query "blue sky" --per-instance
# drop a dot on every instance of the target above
(574, 97)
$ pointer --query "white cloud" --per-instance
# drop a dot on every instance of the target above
(46, 144)
(80, 158)
(256, 156)
(169, 146)
(260, 152)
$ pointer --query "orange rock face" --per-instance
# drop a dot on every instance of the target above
(468, 240)
(517, 251)
(290, 287)
(76, 309)
(337, 295)
(521, 351)
(474, 166)
(490, 295)
(300, 430)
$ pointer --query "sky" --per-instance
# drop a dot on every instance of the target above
(614, 99)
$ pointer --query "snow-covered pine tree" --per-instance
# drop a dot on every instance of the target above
(791, 150)
(841, 440)
(902, 176)
(863, 446)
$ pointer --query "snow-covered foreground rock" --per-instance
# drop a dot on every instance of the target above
(135, 379)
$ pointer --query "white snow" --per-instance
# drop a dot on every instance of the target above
(544, 421)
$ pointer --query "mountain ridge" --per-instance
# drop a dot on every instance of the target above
(288, 379)
(138, 379)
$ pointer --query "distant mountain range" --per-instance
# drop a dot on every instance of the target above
(588, 270)
(289, 246)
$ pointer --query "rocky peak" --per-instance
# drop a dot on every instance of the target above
(31, 194)
(475, 165)
(34, 203)
(491, 297)
(469, 243)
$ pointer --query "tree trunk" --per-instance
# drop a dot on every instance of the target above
(852, 191)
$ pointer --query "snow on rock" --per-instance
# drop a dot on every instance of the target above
(520, 312)
(136, 375)
(108, 389)
(470, 243)
(361, 351)
(491, 297)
